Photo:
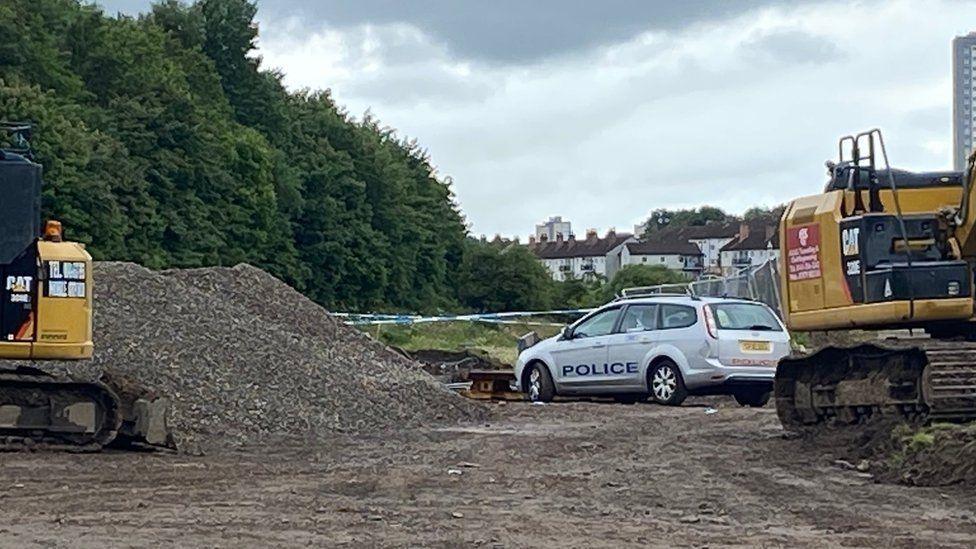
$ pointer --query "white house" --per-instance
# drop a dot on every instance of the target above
(571, 258)
(755, 244)
(669, 250)
(710, 239)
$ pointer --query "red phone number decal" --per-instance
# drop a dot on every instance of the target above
(803, 252)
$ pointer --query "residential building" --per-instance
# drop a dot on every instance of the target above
(754, 244)
(963, 99)
(593, 256)
(710, 238)
(668, 249)
(553, 228)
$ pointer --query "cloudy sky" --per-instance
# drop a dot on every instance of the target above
(603, 111)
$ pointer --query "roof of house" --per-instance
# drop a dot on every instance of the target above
(760, 237)
(712, 229)
(571, 247)
(664, 243)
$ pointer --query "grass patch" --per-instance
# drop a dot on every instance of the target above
(498, 340)
(934, 455)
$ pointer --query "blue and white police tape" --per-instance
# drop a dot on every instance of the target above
(495, 318)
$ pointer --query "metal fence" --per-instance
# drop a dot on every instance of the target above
(760, 283)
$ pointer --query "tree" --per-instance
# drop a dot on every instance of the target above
(574, 293)
(509, 279)
(662, 218)
(165, 142)
(636, 276)
(761, 213)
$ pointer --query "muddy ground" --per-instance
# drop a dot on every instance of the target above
(569, 475)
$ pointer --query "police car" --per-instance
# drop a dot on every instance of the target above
(665, 347)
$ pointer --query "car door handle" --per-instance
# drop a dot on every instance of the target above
(598, 346)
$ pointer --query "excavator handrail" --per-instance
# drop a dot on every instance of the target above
(898, 212)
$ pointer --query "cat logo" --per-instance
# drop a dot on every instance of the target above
(849, 239)
(19, 284)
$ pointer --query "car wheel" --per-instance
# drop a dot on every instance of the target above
(754, 398)
(539, 387)
(666, 384)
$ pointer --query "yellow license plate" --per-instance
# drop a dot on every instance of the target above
(755, 346)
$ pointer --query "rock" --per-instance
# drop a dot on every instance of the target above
(845, 464)
(457, 515)
(863, 465)
(241, 355)
(690, 519)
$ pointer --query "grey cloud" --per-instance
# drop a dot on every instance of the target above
(792, 47)
(402, 85)
(504, 31)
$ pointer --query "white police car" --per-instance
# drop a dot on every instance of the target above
(662, 346)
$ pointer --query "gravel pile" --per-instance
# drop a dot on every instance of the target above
(241, 355)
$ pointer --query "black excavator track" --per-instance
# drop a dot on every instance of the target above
(912, 379)
(39, 411)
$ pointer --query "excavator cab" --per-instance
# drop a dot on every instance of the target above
(876, 248)
(45, 282)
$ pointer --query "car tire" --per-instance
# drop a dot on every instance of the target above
(666, 385)
(754, 398)
(538, 385)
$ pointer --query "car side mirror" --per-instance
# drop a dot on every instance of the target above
(567, 332)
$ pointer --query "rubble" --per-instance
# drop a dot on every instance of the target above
(242, 356)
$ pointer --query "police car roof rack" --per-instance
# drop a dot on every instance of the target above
(651, 291)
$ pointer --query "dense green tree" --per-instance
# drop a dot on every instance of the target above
(165, 142)
(761, 213)
(577, 293)
(662, 218)
(503, 279)
(636, 276)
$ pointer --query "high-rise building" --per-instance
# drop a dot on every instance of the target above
(553, 228)
(963, 99)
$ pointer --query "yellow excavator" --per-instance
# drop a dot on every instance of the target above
(46, 315)
(880, 249)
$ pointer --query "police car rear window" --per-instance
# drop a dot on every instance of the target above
(745, 316)
(677, 316)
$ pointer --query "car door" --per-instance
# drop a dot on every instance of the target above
(677, 329)
(628, 347)
(581, 360)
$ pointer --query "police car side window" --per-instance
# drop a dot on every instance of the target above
(639, 318)
(599, 324)
(677, 316)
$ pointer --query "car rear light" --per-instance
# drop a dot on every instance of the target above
(710, 321)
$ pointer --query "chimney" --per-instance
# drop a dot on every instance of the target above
(611, 233)
(743, 230)
(559, 237)
(572, 237)
(591, 234)
(543, 237)
(531, 239)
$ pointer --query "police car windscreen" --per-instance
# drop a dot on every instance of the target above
(745, 316)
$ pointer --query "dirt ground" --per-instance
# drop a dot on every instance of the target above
(575, 474)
